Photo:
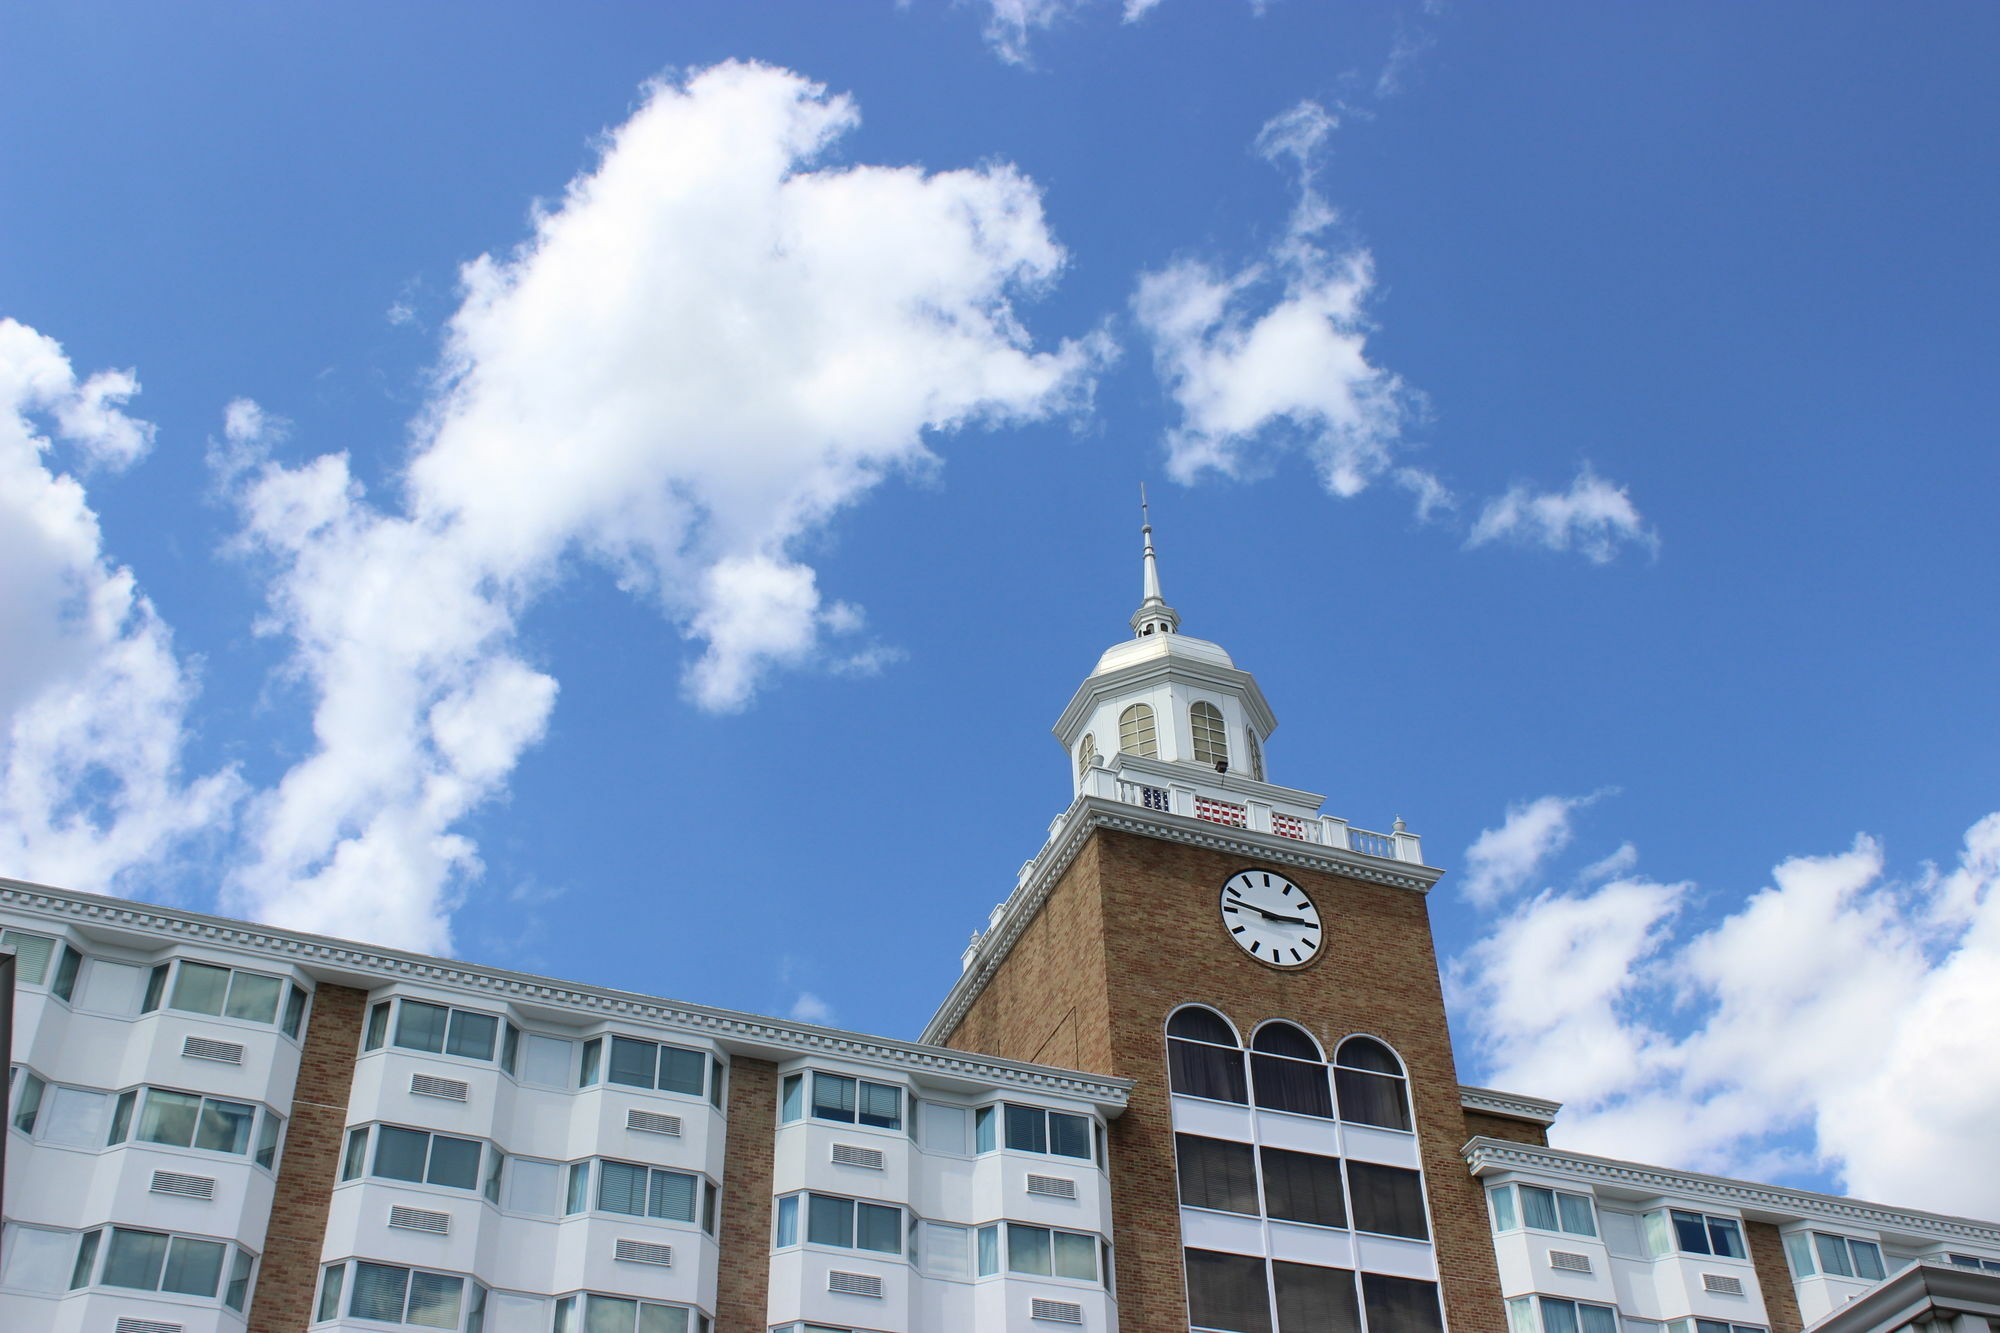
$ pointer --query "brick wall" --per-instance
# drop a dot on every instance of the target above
(1774, 1276)
(1129, 933)
(744, 1231)
(1481, 1124)
(309, 1164)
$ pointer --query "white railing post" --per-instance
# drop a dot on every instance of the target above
(1335, 830)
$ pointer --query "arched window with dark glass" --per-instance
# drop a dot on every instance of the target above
(1369, 1080)
(1203, 1056)
(1288, 1072)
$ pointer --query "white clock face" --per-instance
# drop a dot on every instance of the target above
(1271, 919)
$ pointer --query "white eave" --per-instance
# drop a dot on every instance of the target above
(1168, 660)
(1513, 1105)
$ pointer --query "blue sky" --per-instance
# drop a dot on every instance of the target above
(1580, 418)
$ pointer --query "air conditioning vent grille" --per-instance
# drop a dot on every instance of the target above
(127, 1324)
(1057, 1312)
(1056, 1187)
(204, 1048)
(854, 1284)
(420, 1219)
(652, 1122)
(846, 1154)
(644, 1252)
(1722, 1285)
(449, 1089)
(187, 1187)
(1569, 1262)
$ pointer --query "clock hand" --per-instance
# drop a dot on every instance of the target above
(1271, 916)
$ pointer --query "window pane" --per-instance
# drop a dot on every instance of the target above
(621, 1188)
(1832, 1254)
(1069, 1135)
(135, 1259)
(1199, 1024)
(989, 1251)
(224, 1126)
(121, 1118)
(66, 970)
(947, 1250)
(1660, 1238)
(378, 1292)
(378, 1027)
(28, 1106)
(1689, 1233)
(1028, 1250)
(31, 955)
(471, 1035)
(420, 1026)
(984, 1133)
(533, 1187)
(593, 1052)
(830, 1221)
(1027, 1129)
(1503, 1208)
(608, 1314)
(1228, 1291)
(1401, 1303)
(194, 1267)
(1315, 1300)
(254, 997)
(878, 1228)
(672, 1196)
(86, 1259)
(75, 1117)
(1726, 1237)
(682, 1071)
(454, 1162)
(1291, 1085)
(1538, 1207)
(1387, 1199)
(788, 1221)
(357, 1148)
(399, 1153)
(1200, 1070)
(792, 1102)
(199, 988)
(1371, 1099)
(1521, 1315)
(1217, 1174)
(633, 1063)
(545, 1060)
(944, 1127)
(169, 1117)
(1303, 1187)
(434, 1299)
(881, 1105)
(662, 1319)
(267, 1139)
(36, 1260)
(1574, 1213)
(1076, 1256)
(329, 1292)
(833, 1097)
(295, 1011)
(1867, 1256)
(1597, 1318)
(1798, 1249)
(579, 1187)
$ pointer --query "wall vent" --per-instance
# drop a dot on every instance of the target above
(430, 1085)
(222, 1052)
(419, 1219)
(187, 1187)
(127, 1324)
(1056, 1187)
(846, 1154)
(1568, 1261)
(1721, 1285)
(652, 1122)
(1056, 1312)
(644, 1252)
(854, 1284)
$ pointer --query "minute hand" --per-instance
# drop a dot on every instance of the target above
(1273, 916)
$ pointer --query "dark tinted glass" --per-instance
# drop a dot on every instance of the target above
(1069, 1135)
(1367, 1053)
(1207, 1071)
(1372, 1099)
(454, 1162)
(1316, 1300)
(420, 1026)
(1387, 1199)
(1227, 1291)
(1303, 1187)
(1291, 1085)
(1400, 1303)
(399, 1153)
(1199, 1024)
(1218, 1174)
(830, 1221)
(1027, 1129)
(472, 1035)
(682, 1071)
(633, 1063)
(1284, 1039)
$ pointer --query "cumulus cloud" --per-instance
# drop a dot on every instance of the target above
(809, 1008)
(709, 346)
(1839, 1022)
(1593, 517)
(93, 700)
(1500, 860)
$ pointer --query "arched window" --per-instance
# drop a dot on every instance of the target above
(1136, 734)
(1256, 756)
(1369, 1079)
(1203, 1057)
(1288, 1072)
(1211, 743)
(1086, 754)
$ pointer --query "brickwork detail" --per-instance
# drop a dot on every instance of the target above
(743, 1274)
(1485, 1125)
(1774, 1276)
(1129, 934)
(306, 1172)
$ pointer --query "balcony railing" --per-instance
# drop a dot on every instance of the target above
(1257, 816)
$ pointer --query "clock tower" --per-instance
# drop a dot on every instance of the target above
(1264, 974)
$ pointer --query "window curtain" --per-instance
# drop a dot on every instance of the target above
(1315, 1300)
(1304, 1187)
(1200, 1070)
(1218, 1174)
(1291, 1085)
(1229, 1291)
(1387, 1199)
(1372, 1099)
(1400, 1303)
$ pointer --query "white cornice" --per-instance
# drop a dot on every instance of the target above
(1511, 1104)
(1486, 1155)
(1121, 680)
(1090, 813)
(347, 963)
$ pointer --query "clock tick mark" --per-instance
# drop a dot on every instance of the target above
(1295, 955)
(1236, 930)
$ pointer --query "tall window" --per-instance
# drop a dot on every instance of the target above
(1211, 743)
(1288, 1072)
(1256, 755)
(1086, 753)
(1670, 1229)
(1203, 1058)
(1245, 1294)
(1370, 1082)
(1136, 734)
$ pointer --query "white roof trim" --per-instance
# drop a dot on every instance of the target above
(1511, 1104)
(1484, 1156)
(1090, 813)
(344, 962)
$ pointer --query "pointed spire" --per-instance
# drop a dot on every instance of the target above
(1154, 616)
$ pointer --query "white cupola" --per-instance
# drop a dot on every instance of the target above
(1165, 697)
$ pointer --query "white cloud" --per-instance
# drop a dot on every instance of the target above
(809, 1008)
(93, 700)
(1009, 23)
(1838, 1020)
(708, 347)
(1500, 860)
(1593, 517)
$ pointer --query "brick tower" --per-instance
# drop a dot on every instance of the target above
(1265, 974)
